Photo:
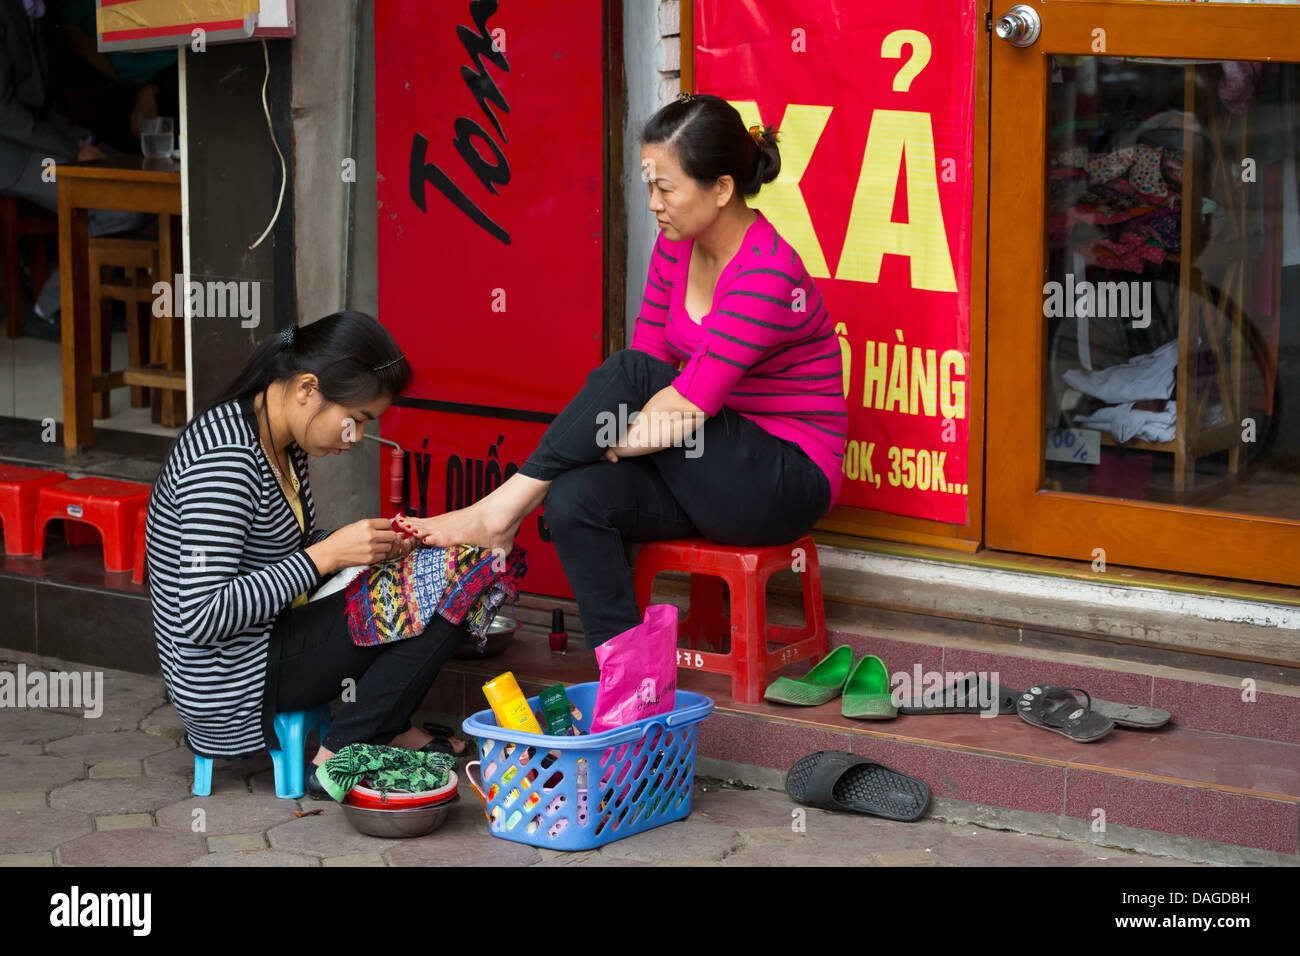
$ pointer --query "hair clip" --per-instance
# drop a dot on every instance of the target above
(756, 132)
(685, 96)
(286, 337)
(380, 368)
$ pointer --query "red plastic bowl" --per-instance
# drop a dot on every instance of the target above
(361, 796)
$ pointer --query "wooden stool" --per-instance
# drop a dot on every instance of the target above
(19, 219)
(138, 259)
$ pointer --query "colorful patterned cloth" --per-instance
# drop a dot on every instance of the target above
(477, 584)
(384, 769)
(397, 599)
(1139, 164)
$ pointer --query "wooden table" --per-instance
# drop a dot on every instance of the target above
(138, 184)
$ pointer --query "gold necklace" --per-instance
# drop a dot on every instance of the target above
(273, 460)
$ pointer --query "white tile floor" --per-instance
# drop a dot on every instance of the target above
(31, 386)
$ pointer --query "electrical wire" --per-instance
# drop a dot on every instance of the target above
(283, 169)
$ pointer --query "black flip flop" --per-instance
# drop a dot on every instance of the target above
(1132, 715)
(442, 742)
(965, 692)
(838, 780)
(1058, 710)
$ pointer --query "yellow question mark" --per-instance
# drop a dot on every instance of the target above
(893, 48)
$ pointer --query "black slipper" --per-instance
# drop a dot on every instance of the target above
(838, 780)
(1132, 715)
(963, 696)
(1058, 710)
(442, 742)
(312, 788)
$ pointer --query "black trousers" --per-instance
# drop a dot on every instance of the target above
(742, 485)
(312, 654)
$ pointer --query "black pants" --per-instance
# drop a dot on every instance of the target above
(312, 654)
(742, 485)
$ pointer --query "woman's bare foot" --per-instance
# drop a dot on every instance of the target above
(477, 525)
(491, 522)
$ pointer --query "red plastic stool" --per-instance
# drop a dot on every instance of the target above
(18, 490)
(746, 572)
(137, 574)
(108, 506)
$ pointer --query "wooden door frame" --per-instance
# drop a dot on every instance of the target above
(1020, 516)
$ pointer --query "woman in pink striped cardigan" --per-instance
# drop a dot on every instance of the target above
(734, 368)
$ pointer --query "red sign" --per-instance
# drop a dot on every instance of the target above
(454, 460)
(490, 140)
(874, 107)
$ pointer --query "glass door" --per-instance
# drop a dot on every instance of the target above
(1144, 286)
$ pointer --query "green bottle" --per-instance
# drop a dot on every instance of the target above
(555, 708)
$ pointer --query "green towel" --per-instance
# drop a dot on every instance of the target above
(388, 768)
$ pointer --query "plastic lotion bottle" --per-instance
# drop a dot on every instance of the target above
(510, 705)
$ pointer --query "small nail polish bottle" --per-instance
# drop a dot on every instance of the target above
(559, 639)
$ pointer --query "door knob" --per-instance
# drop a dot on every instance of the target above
(1019, 26)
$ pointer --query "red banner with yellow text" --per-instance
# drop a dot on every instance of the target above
(874, 106)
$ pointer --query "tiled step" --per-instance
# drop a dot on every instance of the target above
(1206, 626)
(1244, 698)
(1253, 707)
(1203, 783)
(67, 606)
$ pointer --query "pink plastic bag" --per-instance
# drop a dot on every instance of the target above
(638, 671)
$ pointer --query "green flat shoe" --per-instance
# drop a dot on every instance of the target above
(866, 692)
(824, 682)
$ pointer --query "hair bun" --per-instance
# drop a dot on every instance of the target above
(710, 139)
(771, 159)
(768, 164)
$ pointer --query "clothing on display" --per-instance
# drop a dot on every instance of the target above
(1117, 209)
(1136, 420)
(1139, 165)
(1144, 376)
(1126, 422)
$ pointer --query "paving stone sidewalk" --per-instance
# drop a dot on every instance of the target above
(115, 791)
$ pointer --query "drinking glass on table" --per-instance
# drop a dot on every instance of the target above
(156, 136)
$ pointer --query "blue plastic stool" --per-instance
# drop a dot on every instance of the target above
(291, 728)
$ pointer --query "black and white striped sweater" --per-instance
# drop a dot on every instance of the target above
(225, 556)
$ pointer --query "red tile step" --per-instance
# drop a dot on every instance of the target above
(1212, 783)
(1200, 701)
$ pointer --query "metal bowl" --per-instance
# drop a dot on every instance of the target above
(414, 822)
(500, 633)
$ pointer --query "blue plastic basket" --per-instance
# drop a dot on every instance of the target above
(636, 777)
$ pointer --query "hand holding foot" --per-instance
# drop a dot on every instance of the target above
(476, 526)
(490, 522)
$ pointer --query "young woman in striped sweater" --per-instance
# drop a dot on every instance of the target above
(233, 553)
(744, 443)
